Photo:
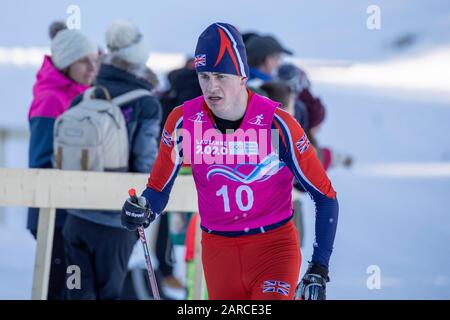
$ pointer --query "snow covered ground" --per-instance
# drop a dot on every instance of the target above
(389, 108)
(395, 219)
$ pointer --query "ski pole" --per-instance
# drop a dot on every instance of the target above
(148, 262)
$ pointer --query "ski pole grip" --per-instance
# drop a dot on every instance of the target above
(132, 193)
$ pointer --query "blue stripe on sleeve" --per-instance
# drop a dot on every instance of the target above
(327, 209)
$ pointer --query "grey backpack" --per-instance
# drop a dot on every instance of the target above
(93, 135)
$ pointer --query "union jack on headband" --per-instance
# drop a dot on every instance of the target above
(200, 60)
(280, 287)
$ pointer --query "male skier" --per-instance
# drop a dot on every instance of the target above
(244, 152)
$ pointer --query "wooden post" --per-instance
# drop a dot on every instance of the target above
(43, 253)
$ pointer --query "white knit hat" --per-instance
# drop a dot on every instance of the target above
(125, 41)
(69, 46)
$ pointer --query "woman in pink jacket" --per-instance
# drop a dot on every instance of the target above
(69, 71)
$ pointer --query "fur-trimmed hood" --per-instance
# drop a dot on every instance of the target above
(141, 72)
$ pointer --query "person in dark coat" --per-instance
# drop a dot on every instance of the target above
(264, 57)
(183, 86)
(313, 116)
(95, 240)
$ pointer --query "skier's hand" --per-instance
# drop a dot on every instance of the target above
(136, 212)
(313, 284)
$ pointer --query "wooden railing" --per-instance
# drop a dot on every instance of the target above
(49, 189)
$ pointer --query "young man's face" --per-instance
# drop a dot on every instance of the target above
(221, 91)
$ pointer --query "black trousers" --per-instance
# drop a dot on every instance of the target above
(102, 255)
(164, 247)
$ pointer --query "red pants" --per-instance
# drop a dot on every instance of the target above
(264, 266)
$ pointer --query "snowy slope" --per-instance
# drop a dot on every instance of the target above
(399, 223)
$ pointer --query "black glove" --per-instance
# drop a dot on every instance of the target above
(136, 212)
(313, 284)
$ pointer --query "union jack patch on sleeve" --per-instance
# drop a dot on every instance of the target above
(302, 144)
(166, 138)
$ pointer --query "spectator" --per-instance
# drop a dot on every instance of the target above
(311, 111)
(247, 36)
(280, 92)
(95, 240)
(183, 86)
(68, 72)
(264, 57)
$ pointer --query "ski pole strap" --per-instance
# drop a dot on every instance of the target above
(233, 234)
